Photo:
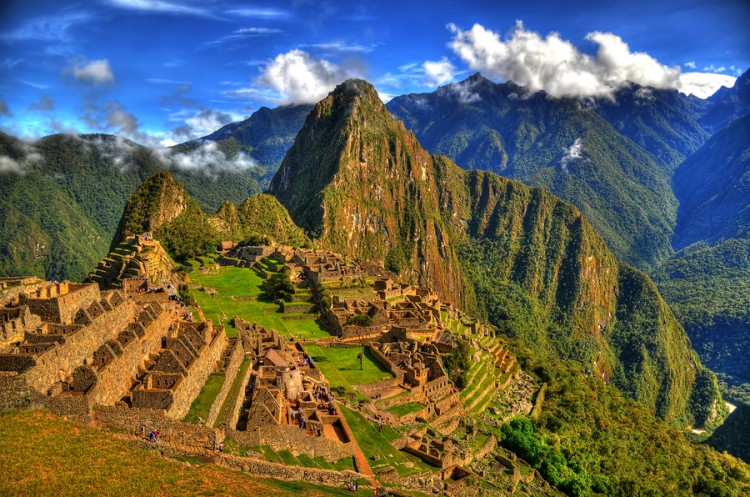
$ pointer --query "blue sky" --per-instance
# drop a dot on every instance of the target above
(165, 71)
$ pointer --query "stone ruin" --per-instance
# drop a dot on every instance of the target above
(174, 378)
(291, 400)
(417, 368)
(69, 347)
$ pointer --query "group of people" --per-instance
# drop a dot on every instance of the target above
(153, 435)
(351, 486)
(300, 416)
(304, 360)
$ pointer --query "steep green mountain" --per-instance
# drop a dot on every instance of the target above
(265, 136)
(727, 104)
(73, 188)
(162, 207)
(260, 219)
(44, 230)
(713, 187)
(709, 290)
(558, 144)
(662, 122)
(361, 184)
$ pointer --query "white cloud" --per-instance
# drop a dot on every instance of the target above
(572, 153)
(438, 73)
(464, 92)
(299, 78)
(690, 65)
(243, 34)
(9, 165)
(29, 157)
(206, 158)
(261, 13)
(340, 47)
(96, 72)
(556, 66)
(702, 84)
(202, 123)
(53, 28)
(160, 6)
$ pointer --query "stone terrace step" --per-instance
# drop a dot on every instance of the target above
(474, 384)
(486, 385)
(485, 401)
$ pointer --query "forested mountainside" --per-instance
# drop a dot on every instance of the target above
(68, 192)
(359, 183)
(265, 136)
(713, 188)
(708, 287)
(558, 144)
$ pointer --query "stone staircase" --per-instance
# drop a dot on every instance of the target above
(130, 259)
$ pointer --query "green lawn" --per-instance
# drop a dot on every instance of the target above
(243, 282)
(341, 365)
(371, 441)
(404, 409)
(202, 404)
(286, 457)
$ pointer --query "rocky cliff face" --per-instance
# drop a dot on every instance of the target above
(361, 184)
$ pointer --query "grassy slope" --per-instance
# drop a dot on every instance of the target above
(243, 282)
(36, 449)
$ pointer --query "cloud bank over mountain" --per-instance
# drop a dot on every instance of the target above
(557, 67)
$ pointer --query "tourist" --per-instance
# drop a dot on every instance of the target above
(221, 446)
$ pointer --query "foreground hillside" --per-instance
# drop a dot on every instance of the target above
(361, 184)
(36, 446)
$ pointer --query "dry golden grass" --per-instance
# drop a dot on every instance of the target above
(43, 455)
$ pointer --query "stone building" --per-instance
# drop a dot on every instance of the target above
(181, 369)
(64, 325)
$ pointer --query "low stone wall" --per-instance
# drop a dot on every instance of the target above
(141, 421)
(297, 309)
(294, 440)
(387, 364)
(371, 388)
(70, 404)
(15, 393)
(229, 375)
(290, 473)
